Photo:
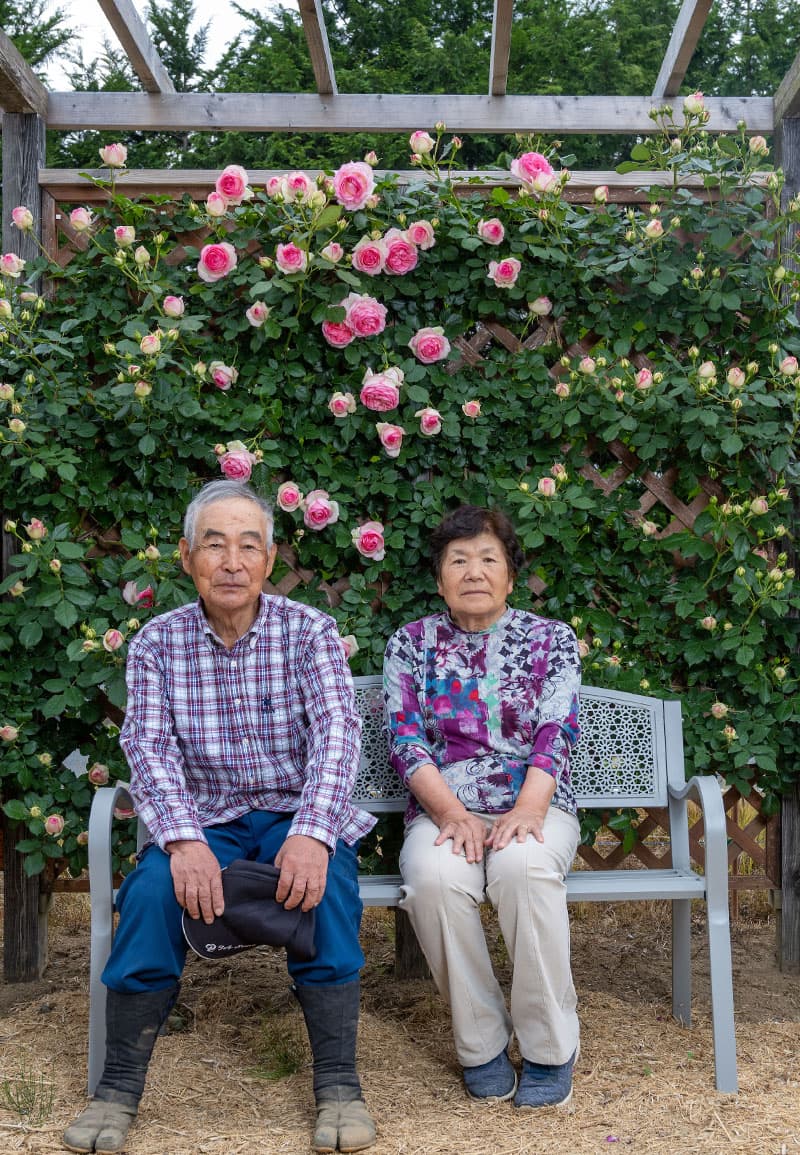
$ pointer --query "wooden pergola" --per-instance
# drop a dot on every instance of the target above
(28, 109)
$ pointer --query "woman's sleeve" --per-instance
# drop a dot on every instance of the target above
(408, 743)
(558, 730)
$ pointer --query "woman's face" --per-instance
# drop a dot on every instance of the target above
(474, 580)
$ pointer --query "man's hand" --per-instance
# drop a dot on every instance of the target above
(467, 832)
(197, 878)
(303, 863)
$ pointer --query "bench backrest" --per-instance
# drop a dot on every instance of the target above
(630, 748)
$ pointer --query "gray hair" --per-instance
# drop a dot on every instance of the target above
(222, 490)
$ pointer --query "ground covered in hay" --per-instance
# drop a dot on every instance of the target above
(233, 1076)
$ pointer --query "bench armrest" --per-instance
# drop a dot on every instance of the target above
(706, 790)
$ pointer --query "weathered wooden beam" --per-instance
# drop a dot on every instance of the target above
(318, 46)
(21, 90)
(293, 112)
(132, 34)
(787, 98)
(680, 50)
(501, 47)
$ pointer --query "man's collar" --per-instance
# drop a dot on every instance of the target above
(252, 633)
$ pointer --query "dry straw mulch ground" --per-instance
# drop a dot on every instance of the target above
(643, 1084)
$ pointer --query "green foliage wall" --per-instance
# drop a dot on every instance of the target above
(665, 327)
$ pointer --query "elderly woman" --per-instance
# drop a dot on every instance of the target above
(482, 709)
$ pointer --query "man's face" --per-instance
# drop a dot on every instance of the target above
(229, 561)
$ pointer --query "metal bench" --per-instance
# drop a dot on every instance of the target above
(630, 754)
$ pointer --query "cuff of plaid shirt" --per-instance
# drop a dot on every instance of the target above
(178, 832)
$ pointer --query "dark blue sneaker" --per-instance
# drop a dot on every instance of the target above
(495, 1080)
(545, 1084)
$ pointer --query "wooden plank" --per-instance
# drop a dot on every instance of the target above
(132, 34)
(21, 90)
(501, 47)
(790, 873)
(787, 97)
(318, 46)
(682, 44)
(303, 112)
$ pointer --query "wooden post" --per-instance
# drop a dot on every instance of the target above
(25, 931)
(409, 961)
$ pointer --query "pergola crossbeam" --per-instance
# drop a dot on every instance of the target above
(139, 48)
(20, 88)
(501, 47)
(302, 112)
(680, 50)
(318, 46)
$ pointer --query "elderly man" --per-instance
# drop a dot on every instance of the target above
(243, 742)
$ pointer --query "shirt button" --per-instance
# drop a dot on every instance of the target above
(233, 665)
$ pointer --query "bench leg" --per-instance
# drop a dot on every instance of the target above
(682, 960)
(409, 961)
(719, 949)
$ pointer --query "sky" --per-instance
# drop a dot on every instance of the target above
(86, 17)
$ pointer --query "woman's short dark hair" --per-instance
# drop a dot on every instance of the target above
(470, 521)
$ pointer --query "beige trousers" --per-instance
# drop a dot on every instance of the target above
(525, 884)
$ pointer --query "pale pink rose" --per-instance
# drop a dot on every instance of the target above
(504, 273)
(232, 184)
(22, 218)
(142, 257)
(257, 314)
(5, 307)
(11, 265)
(429, 344)
(644, 379)
(546, 486)
(491, 231)
(142, 389)
(333, 252)
(342, 404)
(17, 426)
(558, 471)
(298, 187)
(136, 597)
(216, 205)
(530, 165)
(223, 375)
(274, 187)
(124, 235)
(98, 774)
(36, 529)
(583, 649)
(289, 497)
(789, 366)
(391, 437)
(758, 146)
(152, 553)
(54, 824)
(379, 393)
(471, 408)
(237, 464)
(124, 812)
(707, 370)
(114, 155)
(82, 838)
(709, 622)
(759, 506)
(421, 143)
(401, 253)
(600, 195)
(349, 645)
(735, 377)
(394, 373)
(174, 306)
(694, 104)
(337, 333)
(587, 366)
(371, 158)
(17, 590)
(729, 733)
(353, 185)
(8, 733)
(422, 234)
(654, 229)
(363, 314)
(291, 258)
(216, 261)
(150, 344)
(430, 421)
(369, 256)
(719, 710)
(319, 510)
(368, 540)
(54, 565)
(81, 220)
(541, 307)
(6, 392)
(112, 640)
(649, 528)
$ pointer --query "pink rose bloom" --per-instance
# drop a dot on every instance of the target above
(504, 273)
(275, 187)
(123, 812)
(600, 194)
(150, 345)
(112, 640)
(546, 486)
(758, 146)
(369, 256)
(82, 838)
(124, 235)
(54, 824)
(237, 464)
(36, 529)
(544, 183)
(216, 261)
(232, 184)
(421, 143)
(719, 710)
(216, 204)
(401, 253)
(391, 437)
(22, 218)
(353, 185)
(81, 219)
(319, 510)
(709, 622)
(342, 404)
(8, 733)
(114, 155)
(430, 421)
(257, 314)
(134, 597)
(587, 365)
(11, 265)
(291, 259)
(653, 230)
(735, 377)
(644, 379)
(98, 774)
(289, 497)
(380, 392)
(368, 540)
(5, 309)
(530, 165)
(421, 234)
(491, 231)
(333, 252)
(223, 375)
(541, 307)
(789, 366)
(583, 649)
(174, 306)
(694, 104)
(6, 392)
(349, 645)
(429, 345)
(337, 333)
(707, 370)
(297, 186)
(471, 408)
(363, 314)
(759, 506)
(394, 373)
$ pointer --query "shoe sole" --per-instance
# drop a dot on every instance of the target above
(495, 1098)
